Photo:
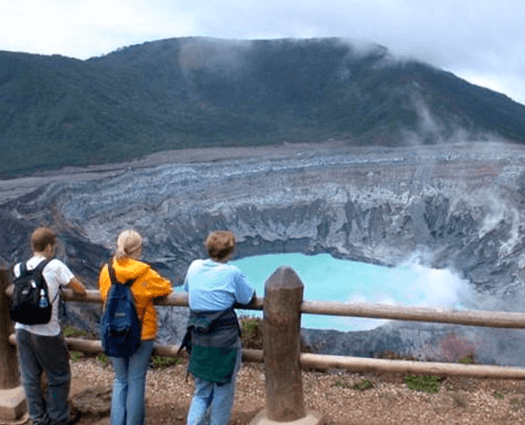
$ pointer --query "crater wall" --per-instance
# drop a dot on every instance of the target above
(456, 206)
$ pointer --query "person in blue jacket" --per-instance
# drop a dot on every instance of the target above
(214, 288)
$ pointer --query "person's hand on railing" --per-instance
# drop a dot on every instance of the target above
(78, 287)
(255, 303)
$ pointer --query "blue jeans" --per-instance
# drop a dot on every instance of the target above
(127, 400)
(212, 403)
(44, 353)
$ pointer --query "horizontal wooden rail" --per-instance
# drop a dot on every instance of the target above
(420, 314)
(275, 304)
(358, 364)
(326, 362)
(92, 346)
(374, 311)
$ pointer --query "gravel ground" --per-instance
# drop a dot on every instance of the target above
(388, 401)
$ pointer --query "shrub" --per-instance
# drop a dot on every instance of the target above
(158, 362)
(73, 332)
(102, 358)
(468, 359)
(430, 384)
(75, 356)
(252, 336)
(363, 385)
(341, 384)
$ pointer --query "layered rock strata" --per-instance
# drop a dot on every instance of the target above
(456, 206)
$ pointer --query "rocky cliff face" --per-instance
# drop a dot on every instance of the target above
(457, 206)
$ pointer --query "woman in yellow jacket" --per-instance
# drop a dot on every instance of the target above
(127, 400)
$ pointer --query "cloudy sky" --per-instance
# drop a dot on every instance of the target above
(482, 41)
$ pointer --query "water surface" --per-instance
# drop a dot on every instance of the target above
(326, 278)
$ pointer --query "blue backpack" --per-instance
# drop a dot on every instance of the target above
(121, 327)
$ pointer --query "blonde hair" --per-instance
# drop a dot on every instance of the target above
(220, 244)
(128, 242)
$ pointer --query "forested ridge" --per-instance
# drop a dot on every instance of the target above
(197, 92)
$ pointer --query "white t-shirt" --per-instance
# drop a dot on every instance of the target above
(56, 274)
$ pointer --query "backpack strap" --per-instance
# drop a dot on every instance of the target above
(128, 282)
(40, 267)
(113, 278)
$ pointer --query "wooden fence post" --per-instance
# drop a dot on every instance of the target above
(12, 397)
(8, 362)
(283, 295)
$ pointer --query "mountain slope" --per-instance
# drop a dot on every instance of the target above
(192, 92)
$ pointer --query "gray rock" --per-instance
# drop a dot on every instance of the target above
(458, 207)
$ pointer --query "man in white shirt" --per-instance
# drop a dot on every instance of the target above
(42, 347)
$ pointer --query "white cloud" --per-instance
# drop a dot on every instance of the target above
(87, 28)
(511, 85)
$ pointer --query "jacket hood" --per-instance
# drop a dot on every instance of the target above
(129, 268)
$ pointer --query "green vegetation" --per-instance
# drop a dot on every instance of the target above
(518, 403)
(363, 385)
(468, 359)
(159, 362)
(498, 395)
(102, 358)
(75, 356)
(179, 93)
(459, 401)
(430, 384)
(70, 332)
(251, 332)
(341, 384)
(252, 335)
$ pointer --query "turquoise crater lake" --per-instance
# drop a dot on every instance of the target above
(326, 278)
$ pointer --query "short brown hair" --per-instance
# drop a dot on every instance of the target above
(220, 244)
(41, 238)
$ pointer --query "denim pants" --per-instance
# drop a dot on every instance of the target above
(44, 353)
(212, 403)
(127, 400)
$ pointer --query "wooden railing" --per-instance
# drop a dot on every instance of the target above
(282, 307)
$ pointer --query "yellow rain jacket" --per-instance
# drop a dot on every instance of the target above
(148, 285)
